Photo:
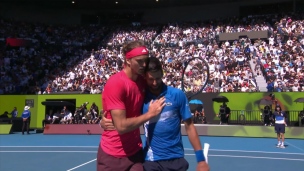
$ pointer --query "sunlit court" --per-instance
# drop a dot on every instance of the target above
(38, 152)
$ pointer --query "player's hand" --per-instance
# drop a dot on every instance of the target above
(156, 106)
(202, 166)
(106, 124)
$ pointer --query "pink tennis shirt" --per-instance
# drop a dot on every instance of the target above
(122, 93)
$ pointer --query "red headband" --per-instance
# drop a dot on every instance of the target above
(137, 52)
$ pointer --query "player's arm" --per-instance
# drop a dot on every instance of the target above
(124, 124)
(192, 133)
(196, 144)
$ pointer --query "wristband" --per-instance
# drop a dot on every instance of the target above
(199, 155)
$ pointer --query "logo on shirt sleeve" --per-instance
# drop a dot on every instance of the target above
(168, 104)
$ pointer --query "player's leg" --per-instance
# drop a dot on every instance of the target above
(282, 132)
(179, 164)
(106, 162)
(151, 166)
(137, 161)
(277, 130)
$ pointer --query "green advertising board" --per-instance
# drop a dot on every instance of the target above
(237, 101)
(8, 102)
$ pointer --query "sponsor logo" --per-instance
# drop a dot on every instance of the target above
(168, 104)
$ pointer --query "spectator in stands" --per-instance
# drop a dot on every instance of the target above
(67, 117)
(56, 117)
(48, 119)
(14, 113)
(94, 110)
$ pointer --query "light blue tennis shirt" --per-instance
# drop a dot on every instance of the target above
(279, 117)
(163, 133)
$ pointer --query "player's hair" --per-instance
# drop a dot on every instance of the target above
(278, 107)
(154, 65)
(127, 47)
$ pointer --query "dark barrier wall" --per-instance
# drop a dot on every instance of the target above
(251, 35)
(211, 10)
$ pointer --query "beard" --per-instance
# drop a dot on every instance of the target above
(157, 87)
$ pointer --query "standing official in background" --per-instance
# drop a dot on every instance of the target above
(267, 115)
(26, 117)
(224, 114)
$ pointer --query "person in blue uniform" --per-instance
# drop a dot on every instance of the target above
(279, 126)
(26, 117)
(164, 149)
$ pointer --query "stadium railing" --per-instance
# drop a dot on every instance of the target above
(255, 117)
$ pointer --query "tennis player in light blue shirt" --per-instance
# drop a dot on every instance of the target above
(164, 148)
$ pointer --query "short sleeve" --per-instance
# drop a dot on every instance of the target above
(184, 105)
(114, 96)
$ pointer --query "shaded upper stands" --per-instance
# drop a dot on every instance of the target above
(52, 51)
(73, 67)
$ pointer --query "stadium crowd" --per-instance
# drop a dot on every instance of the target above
(59, 58)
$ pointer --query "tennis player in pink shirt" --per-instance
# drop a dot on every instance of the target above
(122, 99)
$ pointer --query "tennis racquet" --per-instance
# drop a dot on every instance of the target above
(195, 76)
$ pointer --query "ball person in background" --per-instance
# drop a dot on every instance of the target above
(280, 124)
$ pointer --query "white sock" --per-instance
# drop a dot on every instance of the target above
(279, 142)
(282, 143)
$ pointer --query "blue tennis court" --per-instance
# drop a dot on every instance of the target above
(38, 152)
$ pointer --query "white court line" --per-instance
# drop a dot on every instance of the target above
(244, 151)
(82, 165)
(51, 146)
(295, 146)
(251, 157)
(188, 154)
(48, 151)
